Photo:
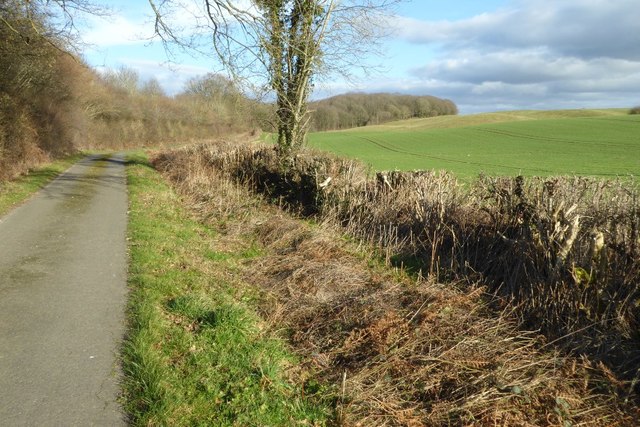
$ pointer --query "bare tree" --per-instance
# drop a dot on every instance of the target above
(152, 88)
(124, 78)
(282, 45)
(213, 88)
(61, 17)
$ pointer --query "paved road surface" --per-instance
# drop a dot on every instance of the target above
(62, 298)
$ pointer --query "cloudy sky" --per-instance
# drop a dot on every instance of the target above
(485, 55)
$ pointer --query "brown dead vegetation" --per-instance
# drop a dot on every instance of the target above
(564, 252)
(52, 104)
(391, 349)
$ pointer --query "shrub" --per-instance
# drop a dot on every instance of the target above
(52, 103)
(635, 110)
(36, 109)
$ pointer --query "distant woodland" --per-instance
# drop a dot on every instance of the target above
(360, 109)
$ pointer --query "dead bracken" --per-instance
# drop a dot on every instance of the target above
(399, 349)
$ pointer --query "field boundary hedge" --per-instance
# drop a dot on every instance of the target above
(562, 252)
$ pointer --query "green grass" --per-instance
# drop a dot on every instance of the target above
(195, 352)
(15, 192)
(603, 143)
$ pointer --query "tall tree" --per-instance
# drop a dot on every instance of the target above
(282, 45)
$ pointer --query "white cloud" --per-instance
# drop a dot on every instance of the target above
(524, 67)
(583, 28)
(501, 88)
(532, 54)
(116, 30)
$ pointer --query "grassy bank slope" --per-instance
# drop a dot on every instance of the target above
(544, 143)
(196, 353)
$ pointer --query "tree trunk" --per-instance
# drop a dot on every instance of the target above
(292, 50)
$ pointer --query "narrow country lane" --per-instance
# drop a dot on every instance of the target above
(62, 300)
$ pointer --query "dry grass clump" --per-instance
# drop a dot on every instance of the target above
(416, 353)
(224, 199)
(393, 351)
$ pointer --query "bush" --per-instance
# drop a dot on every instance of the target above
(37, 108)
(51, 103)
(635, 110)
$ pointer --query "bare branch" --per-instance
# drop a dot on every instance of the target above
(282, 45)
(61, 15)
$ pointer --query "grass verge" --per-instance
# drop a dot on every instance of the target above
(16, 191)
(196, 352)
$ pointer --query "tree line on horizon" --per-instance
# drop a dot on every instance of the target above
(362, 109)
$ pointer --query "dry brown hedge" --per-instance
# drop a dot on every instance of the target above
(402, 353)
(564, 251)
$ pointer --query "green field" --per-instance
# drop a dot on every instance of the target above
(568, 142)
